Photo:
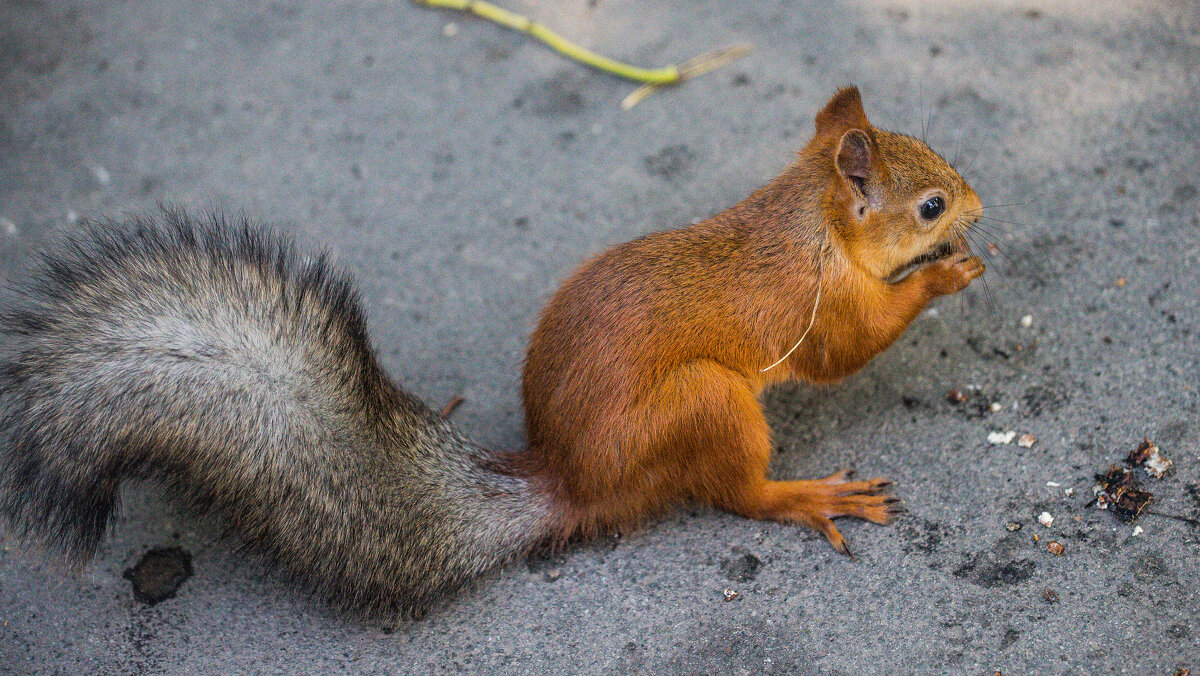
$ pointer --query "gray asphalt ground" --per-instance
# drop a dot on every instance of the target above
(462, 174)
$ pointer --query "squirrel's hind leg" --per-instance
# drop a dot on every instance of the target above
(729, 452)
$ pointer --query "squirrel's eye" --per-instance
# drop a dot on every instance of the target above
(932, 208)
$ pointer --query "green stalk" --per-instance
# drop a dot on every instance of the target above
(652, 76)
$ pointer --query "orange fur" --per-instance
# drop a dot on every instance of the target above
(642, 379)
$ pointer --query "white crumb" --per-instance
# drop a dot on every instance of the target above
(1069, 492)
(998, 438)
(1156, 465)
(1027, 441)
(996, 407)
(1045, 519)
(102, 175)
(1053, 484)
(1137, 530)
(1027, 321)
(450, 29)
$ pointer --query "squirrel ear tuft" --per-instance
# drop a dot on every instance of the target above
(844, 111)
(854, 158)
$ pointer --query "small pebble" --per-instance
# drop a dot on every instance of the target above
(450, 29)
(102, 175)
(1137, 530)
(1055, 548)
(1027, 441)
(996, 407)
(1045, 519)
(1121, 282)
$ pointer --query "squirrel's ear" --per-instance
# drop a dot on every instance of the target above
(856, 163)
(844, 111)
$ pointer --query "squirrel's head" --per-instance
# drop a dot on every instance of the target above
(896, 204)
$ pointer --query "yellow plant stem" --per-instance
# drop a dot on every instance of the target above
(651, 76)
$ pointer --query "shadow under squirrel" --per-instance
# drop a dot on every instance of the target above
(237, 374)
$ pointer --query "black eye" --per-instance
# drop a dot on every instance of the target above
(932, 208)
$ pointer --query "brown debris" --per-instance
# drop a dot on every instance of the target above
(1055, 548)
(730, 594)
(956, 396)
(1051, 596)
(1117, 491)
(159, 574)
(450, 406)
(1012, 526)
(1148, 455)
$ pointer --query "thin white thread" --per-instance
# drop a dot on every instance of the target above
(816, 303)
(813, 319)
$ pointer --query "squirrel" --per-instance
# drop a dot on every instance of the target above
(642, 378)
(215, 359)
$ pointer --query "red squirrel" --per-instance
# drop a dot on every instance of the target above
(642, 379)
(215, 359)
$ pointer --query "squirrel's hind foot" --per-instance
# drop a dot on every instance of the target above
(817, 502)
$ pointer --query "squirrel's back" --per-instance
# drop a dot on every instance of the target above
(215, 360)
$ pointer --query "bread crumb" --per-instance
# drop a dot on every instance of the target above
(998, 438)
(1055, 548)
(1027, 441)
(996, 407)
(730, 594)
(1027, 321)
(1045, 519)
(1137, 530)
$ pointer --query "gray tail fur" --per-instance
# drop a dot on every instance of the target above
(211, 358)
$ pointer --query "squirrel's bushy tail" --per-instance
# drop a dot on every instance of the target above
(213, 359)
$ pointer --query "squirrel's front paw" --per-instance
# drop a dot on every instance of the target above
(949, 276)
